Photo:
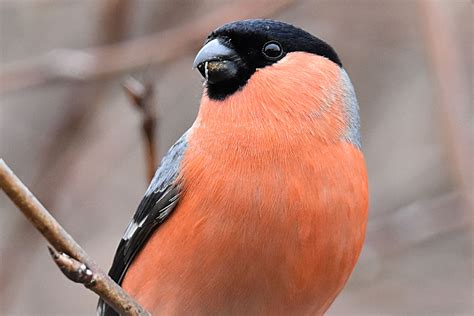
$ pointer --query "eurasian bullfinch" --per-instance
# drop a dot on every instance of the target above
(260, 208)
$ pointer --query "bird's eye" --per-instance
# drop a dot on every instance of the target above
(272, 50)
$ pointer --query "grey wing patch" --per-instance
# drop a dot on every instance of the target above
(159, 201)
(169, 166)
(352, 134)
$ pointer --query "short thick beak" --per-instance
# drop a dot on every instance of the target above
(216, 62)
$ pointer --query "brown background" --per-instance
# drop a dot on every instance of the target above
(69, 132)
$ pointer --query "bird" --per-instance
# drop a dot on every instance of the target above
(260, 207)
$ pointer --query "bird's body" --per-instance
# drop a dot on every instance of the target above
(272, 200)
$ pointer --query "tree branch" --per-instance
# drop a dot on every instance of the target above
(77, 265)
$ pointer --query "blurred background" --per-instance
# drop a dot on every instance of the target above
(71, 134)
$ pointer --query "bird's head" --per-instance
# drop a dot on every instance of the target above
(273, 72)
(235, 51)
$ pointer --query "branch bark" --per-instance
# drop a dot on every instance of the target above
(78, 261)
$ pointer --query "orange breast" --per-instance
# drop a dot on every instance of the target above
(273, 213)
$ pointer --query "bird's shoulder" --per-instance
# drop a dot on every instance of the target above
(157, 204)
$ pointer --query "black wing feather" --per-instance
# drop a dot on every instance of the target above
(159, 201)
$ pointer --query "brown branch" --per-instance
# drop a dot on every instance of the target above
(155, 49)
(142, 95)
(35, 212)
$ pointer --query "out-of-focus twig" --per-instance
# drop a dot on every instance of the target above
(112, 59)
(115, 20)
(444, 58)
(90, 274)
(142, 95)
(398, 231)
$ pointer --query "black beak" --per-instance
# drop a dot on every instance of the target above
(216, 62)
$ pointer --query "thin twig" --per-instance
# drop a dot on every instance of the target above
(142, 95)
(35, 212)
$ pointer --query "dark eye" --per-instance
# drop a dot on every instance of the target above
(272, 50)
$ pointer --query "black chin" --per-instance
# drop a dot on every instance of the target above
(221, 84)
(221, 90)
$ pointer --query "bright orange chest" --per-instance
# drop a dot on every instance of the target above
(285, 215)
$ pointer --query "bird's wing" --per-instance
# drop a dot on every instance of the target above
(159, 201)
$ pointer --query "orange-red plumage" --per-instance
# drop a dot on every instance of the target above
(274, 205)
